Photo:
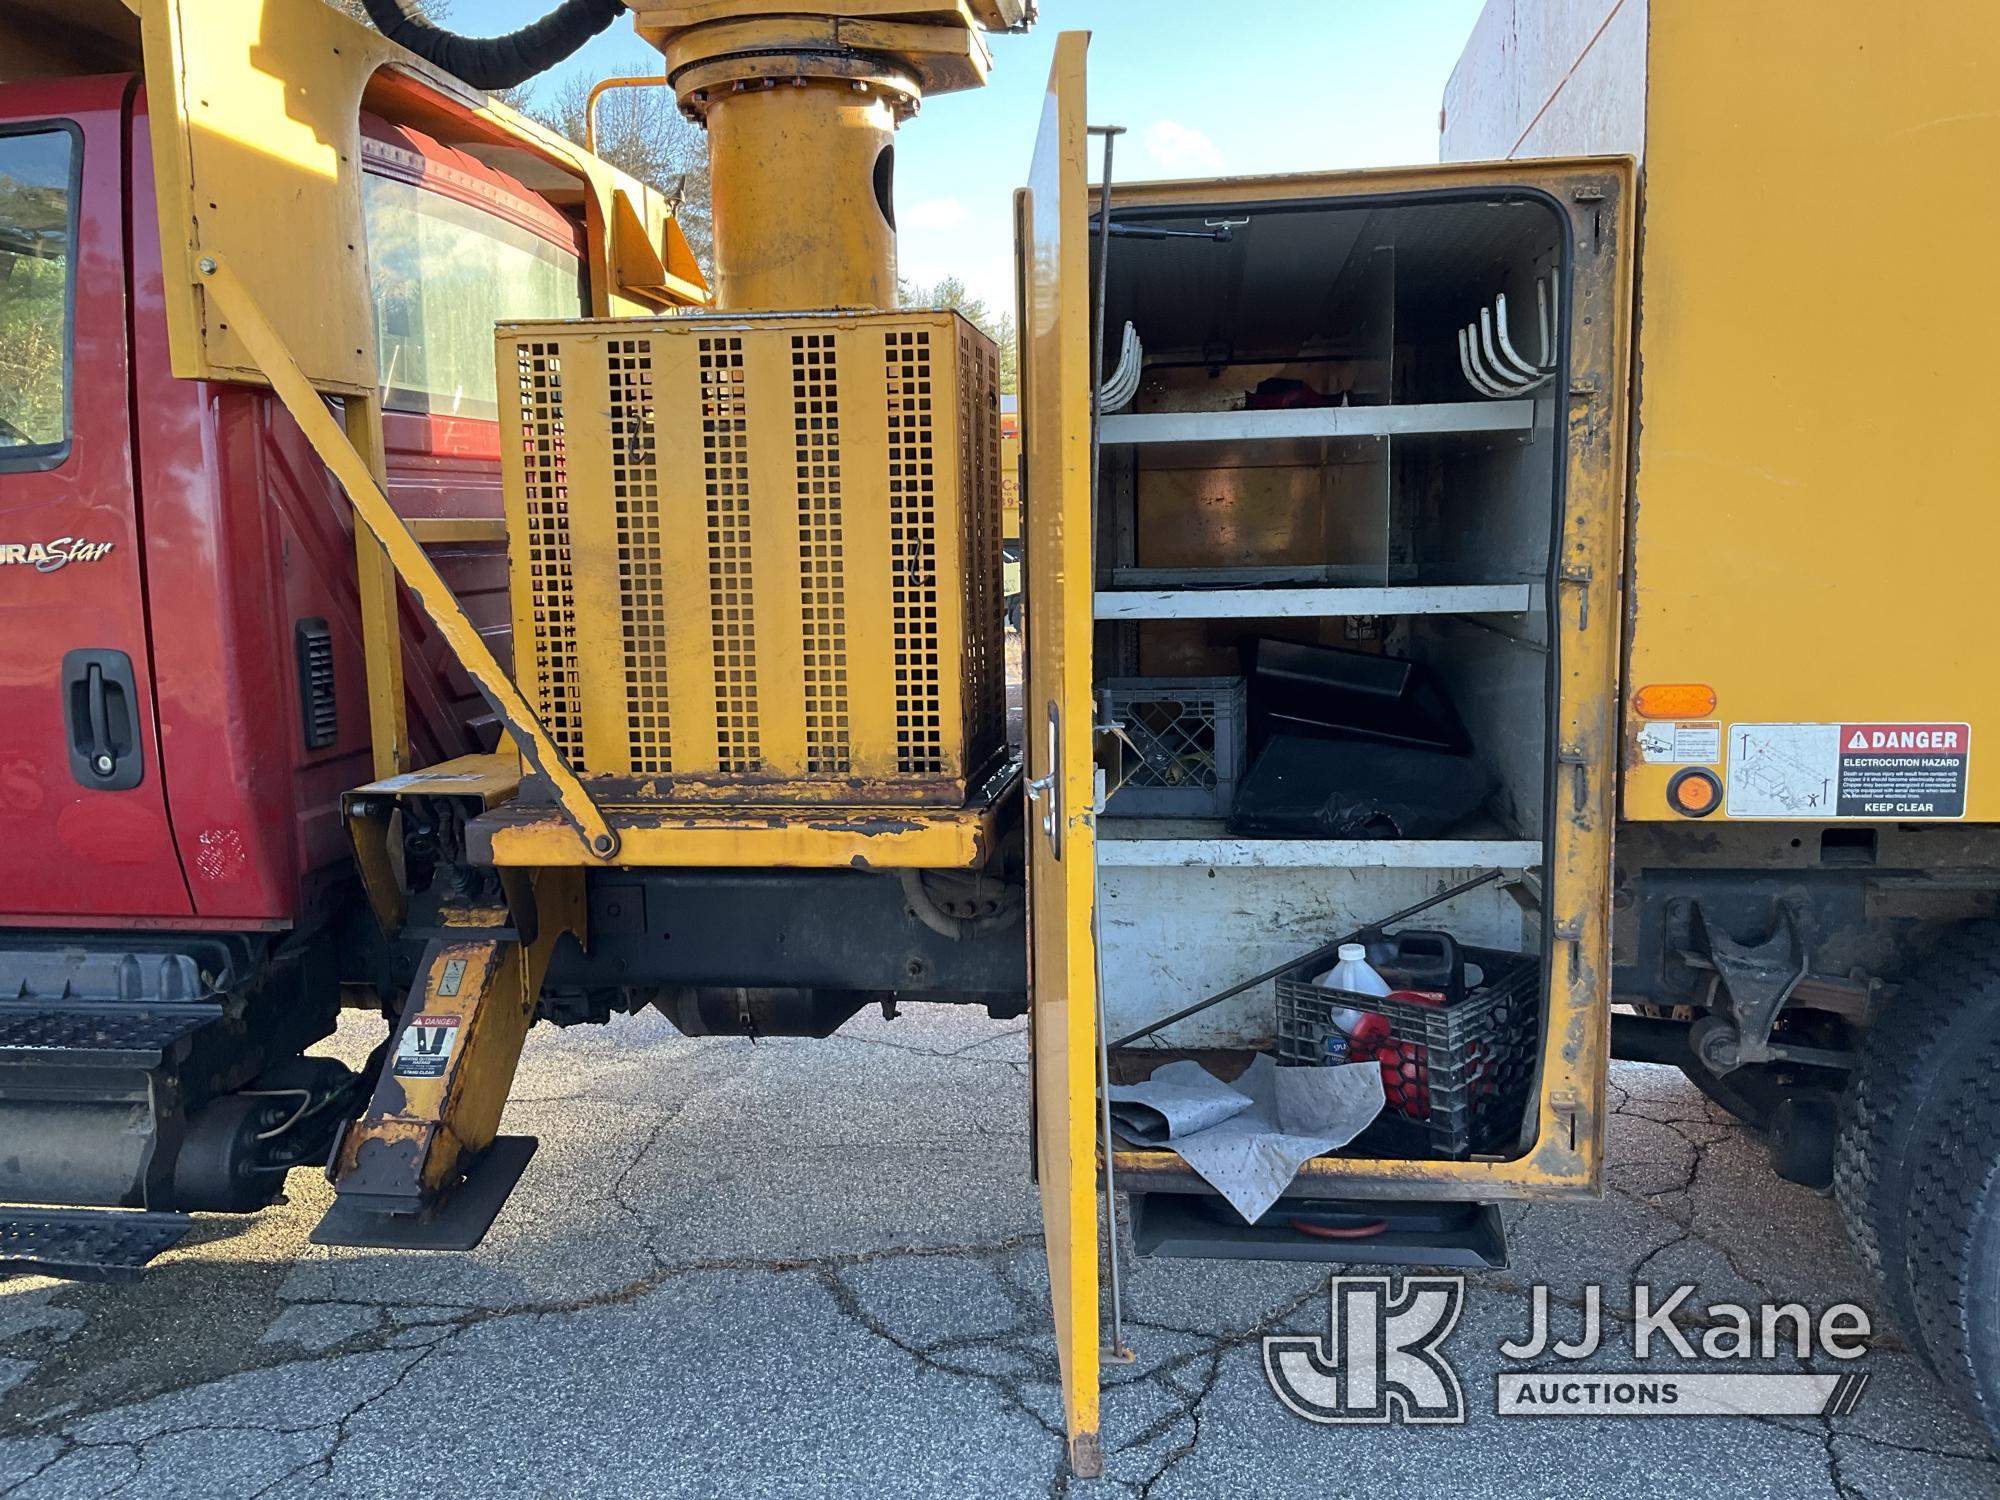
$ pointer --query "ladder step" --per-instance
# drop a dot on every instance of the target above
(97, 1035)
(86, 1244)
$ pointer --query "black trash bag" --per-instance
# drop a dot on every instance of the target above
(1312, 787)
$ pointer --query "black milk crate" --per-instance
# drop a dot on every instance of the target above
(1463, 1071)
(1190, 734)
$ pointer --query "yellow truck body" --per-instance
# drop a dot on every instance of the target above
(1814, 361)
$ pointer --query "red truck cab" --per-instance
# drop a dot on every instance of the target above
(179, 546)
(182, 693)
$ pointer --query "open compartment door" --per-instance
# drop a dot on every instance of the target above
(1052, 223)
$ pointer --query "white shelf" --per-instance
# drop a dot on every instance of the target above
(1320, 854)
(1155, 843)
(1278, 603)
(1317, 422)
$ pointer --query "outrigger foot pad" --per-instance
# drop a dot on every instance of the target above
(458, 1222)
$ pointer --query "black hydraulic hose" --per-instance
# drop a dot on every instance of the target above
(498, 62)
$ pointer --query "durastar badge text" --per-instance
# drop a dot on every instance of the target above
(47, 557)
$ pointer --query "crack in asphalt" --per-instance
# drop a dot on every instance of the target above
(1187, 1379)
(1190, 1409)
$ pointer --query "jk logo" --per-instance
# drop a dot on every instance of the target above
(1380, 1361)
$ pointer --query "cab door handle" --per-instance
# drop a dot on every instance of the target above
(100, 712)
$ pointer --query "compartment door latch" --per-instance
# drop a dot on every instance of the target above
(1046, 790)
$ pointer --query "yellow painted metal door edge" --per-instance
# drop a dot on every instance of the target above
(1055, 402)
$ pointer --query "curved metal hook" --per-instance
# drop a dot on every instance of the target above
(1495, 369)
(1510, 355)
(1467, 343)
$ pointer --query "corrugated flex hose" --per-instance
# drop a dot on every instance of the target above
(498, 62)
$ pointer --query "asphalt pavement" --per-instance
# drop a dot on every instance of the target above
(807, 1268)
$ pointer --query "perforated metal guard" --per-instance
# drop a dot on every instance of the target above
(767, 570)
(822, 558)
(545, 490)
(725, 441)
(913, 552)
(635, 495)
(985, 700)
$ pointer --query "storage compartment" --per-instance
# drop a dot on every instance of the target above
(1337, 478)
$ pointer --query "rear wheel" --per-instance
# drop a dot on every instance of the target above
(1953, 1261)
(1916, 1067)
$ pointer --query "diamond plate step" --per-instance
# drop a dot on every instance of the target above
(104, 1244)
(97, 1035)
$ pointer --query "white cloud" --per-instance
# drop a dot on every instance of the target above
(1181, 148)
(937, 213)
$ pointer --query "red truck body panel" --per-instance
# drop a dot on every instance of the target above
(227, 532)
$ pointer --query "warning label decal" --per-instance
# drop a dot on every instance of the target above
(1848, 770)
(425, 1046)
(1696, 743)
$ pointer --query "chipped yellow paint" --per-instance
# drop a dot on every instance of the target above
(416, 1131)
(749, 838)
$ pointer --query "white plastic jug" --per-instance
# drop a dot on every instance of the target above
(1353, 974)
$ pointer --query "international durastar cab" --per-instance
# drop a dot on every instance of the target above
(183, 698)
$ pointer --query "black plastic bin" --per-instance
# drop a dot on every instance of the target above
(1464, 1071)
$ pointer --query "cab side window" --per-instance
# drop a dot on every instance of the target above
(37, 233)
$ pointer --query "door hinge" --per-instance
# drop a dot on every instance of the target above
(1569, 932)
(1582, 575)
(1578, 764)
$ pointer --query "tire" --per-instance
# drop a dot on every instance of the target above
(1916, 1062)
(1953, 1260)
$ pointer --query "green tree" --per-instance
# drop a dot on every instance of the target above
(999, 327)
(430, 10)
(641, 132)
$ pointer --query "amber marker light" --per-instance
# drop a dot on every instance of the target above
(1694, 792)
(1674, 700)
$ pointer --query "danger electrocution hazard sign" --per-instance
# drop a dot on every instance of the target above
(1903, 770)
(1848, 770)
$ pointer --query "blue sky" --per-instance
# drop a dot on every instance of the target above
(1202, 89)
